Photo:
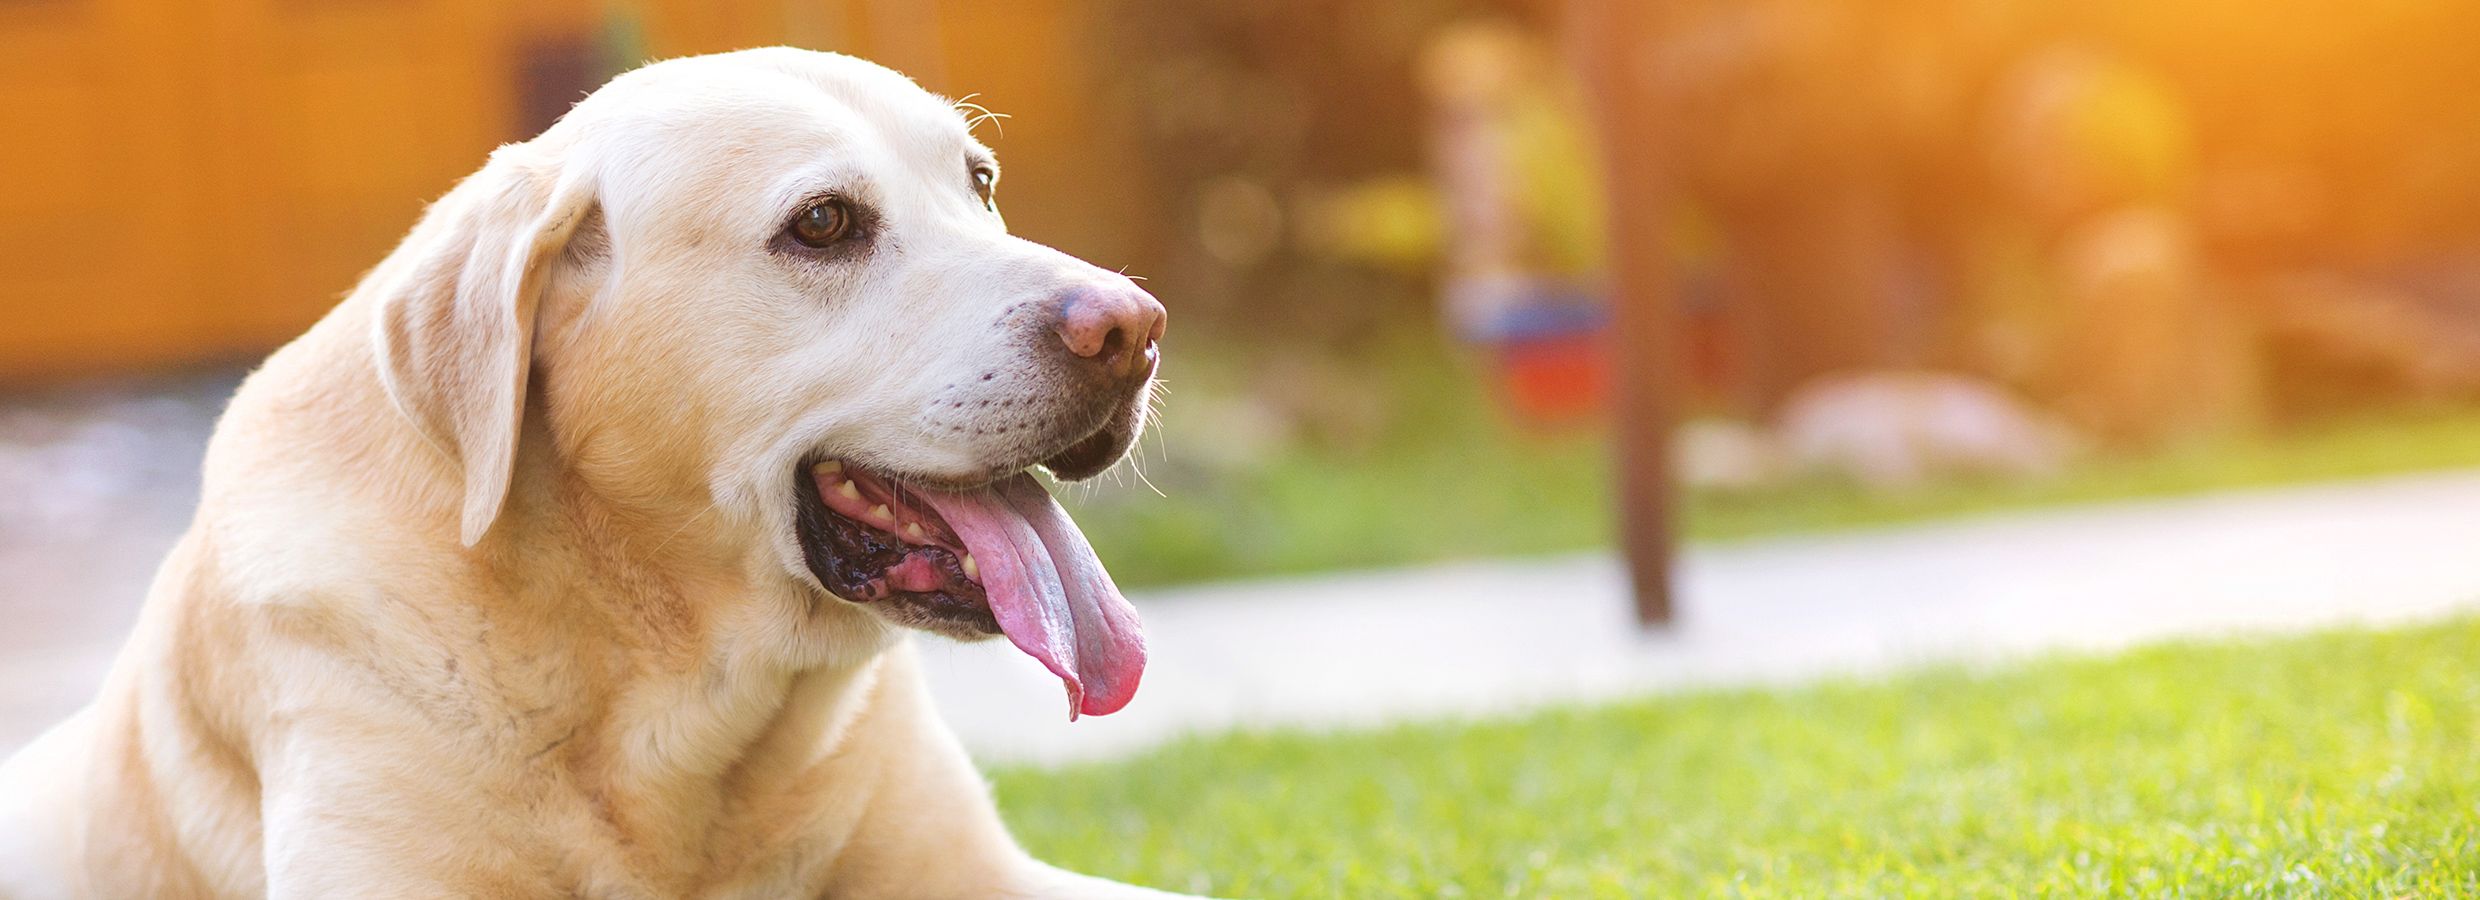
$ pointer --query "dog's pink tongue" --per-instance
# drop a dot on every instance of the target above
(1048, 591)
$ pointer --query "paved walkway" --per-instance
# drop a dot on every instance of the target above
(1366, 648)
(1494, 637)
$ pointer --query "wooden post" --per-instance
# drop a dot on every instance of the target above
(1608, 40)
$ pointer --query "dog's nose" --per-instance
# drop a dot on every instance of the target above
(1113, 325)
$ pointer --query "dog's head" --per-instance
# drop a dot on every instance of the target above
(771, 290)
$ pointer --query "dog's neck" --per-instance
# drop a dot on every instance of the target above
(678, 670)
(726, 661)
(720, 686)
(723, 687)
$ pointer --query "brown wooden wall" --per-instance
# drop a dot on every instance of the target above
(184, 182)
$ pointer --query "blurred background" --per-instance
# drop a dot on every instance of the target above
(1877, 261)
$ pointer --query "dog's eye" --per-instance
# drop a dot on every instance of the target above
(822, 224)
(986, 185)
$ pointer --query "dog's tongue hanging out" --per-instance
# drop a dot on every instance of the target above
(1048, 591)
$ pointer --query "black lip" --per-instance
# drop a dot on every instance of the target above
(1086, 458)
(1096, 453)
(846, 556)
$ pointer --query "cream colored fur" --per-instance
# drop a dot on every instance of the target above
(444, 629)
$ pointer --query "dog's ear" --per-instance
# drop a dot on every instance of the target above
(455, 334)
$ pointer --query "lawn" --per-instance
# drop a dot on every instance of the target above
(1439, 475)
(2342, 764)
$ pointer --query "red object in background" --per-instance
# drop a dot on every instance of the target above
(1550, 348)
(1555, 379)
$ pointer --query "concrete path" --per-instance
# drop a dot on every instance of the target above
(93, 489)
(1370, 648)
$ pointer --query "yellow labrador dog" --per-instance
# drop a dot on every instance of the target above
(572, 554)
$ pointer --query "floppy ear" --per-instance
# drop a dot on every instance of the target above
(455, 334)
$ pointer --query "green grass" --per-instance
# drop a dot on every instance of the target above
(2342, 764)
(1420, 469)
(1443, 477)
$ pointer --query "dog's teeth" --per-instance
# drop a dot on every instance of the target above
(880, 512)
(830, 467)
(971, 571)
(911, 529)
(850, 491)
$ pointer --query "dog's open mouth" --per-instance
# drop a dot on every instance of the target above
(998, 559)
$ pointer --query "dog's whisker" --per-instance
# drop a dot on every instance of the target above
(684, 527)
(976, 114)
(1137, 465)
